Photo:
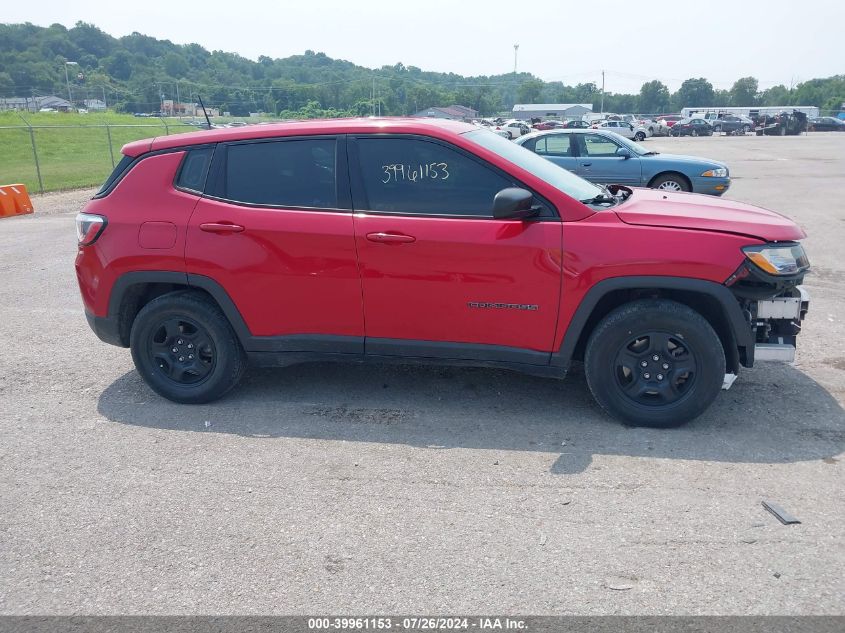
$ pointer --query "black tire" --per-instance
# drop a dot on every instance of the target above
(694, 132)
(185, 349)
(666, 181)
(639, 136)
(634, 334)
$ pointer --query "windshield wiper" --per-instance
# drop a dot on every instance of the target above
(604, 197)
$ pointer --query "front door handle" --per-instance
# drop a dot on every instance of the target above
(586, 164)
(221, 227)
(390, 238)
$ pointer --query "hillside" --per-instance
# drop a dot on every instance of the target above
(135, 72)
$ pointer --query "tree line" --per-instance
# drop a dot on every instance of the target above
(134, 73)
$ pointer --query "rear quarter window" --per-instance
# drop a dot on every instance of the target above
(121, 168)
(194, 169)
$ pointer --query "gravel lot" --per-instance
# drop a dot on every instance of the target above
(331, 488)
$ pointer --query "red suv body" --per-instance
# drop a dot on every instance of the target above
(431, 241)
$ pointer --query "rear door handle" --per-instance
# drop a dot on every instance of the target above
(585, 164)
(391, 238)
(221, 227)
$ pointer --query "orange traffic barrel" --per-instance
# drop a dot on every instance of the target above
(14, 200)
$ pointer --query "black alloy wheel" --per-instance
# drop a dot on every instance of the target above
(655, 368)
(654, 362)
(182, 350)
(185, 348)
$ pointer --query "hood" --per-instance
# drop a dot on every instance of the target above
(651, 207)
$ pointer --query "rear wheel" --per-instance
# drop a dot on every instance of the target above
(639, 136)
(185, 349)
(655, 363)
(670, 182)
(694, 132)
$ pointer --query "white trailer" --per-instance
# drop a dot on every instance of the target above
(713, 112)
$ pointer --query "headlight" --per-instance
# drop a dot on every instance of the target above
(716, 173)
(778, 259)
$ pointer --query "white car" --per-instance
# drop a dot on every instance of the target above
(623, 128)
(514, 128)
(655, 127)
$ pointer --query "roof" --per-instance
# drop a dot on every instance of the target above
(523, 107)
(442, 128)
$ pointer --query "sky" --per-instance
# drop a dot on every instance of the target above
(566, 41)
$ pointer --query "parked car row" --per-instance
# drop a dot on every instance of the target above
(639, 129)
(603, 157)
(826, 124)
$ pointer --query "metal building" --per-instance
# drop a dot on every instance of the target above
(528, 111)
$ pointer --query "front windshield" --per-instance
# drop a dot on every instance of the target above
(634, 147)
(560, 178)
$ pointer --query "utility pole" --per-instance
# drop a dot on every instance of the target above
(373, 94)
(67, 80)
(602, 92)
(515, 51)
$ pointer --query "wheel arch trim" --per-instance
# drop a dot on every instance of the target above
(730, 308)
(127, 280)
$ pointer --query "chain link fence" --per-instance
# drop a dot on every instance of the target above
(57, 157)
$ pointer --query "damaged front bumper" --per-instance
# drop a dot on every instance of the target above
(774, 308)
(777, 322)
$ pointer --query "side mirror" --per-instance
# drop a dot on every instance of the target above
(623, 152)
(513, 204)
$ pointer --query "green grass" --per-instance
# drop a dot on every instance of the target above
(70, 157)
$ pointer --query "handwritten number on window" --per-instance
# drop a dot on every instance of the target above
(397, 172)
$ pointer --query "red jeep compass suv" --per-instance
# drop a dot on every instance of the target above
(430, 241)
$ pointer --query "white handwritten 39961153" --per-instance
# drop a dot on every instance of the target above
(398, 172)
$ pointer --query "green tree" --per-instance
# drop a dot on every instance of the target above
(175, 65)
(775, 96)
(119, 65)
(529, 91)
(654, 97)
(694, 92)
(744, 92)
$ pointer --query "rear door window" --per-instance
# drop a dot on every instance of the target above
(554, 145)
(282, 173)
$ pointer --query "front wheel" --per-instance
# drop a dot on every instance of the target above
(654, 362)
(185, 349)
(670, 182)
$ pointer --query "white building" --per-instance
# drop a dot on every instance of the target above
(528, 111)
